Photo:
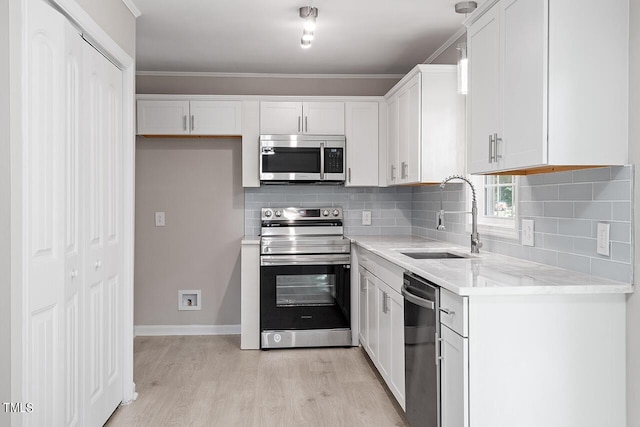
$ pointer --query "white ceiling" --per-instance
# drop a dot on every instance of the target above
(263, 36)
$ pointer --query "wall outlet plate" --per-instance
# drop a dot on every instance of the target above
(190, 299)
(366, 217)
(527, 232)
(159, 219)
(603, 242)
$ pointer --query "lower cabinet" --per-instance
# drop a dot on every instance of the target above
(454, 379)
(381, 311)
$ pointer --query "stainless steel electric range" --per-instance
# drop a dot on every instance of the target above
(305, 292)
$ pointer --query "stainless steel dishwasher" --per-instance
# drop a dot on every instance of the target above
(421, 333)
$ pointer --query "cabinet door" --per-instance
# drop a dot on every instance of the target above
(410, 120)
(483, 108)
(384, 333)
(393, 110)
(454, 380)
(524, 103)
(396, 370)
(280, 118)
(362, 144)
(163, 117)
(372, 346)
(362, 309)
(323, 118)
(216, 117)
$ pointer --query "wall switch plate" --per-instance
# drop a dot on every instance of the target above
(603, 239)
(366, 217)
(159, 219)
(527, 232)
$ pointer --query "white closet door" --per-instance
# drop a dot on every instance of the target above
(74, 276)
(102, 172)
(44, 223)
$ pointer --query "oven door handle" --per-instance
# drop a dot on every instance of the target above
(277, 260)
(414, 299)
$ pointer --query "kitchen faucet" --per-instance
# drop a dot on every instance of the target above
(475, 237)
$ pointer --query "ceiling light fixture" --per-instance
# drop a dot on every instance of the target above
(309, 14)
(465, 7)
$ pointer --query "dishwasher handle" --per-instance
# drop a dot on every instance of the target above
(414, 299)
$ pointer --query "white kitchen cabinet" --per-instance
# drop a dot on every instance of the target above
(184, 117)
(361, 131)
(297, 118)
(216, 117)
(163, 117)
(382, 328)
(454, 379)
(426, 130)
(536, 102)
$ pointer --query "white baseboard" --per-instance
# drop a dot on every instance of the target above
(159, 330)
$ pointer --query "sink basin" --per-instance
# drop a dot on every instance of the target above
(432, 255)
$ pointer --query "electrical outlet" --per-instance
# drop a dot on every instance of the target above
(366, 217)
(527, 232)
(159, 219)
(603, 239)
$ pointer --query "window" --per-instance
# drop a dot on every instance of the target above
(497, 205)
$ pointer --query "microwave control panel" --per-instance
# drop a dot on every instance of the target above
(333, 160)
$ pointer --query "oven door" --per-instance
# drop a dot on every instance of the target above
(304, 292)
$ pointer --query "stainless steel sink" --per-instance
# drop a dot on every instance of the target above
(432, 255)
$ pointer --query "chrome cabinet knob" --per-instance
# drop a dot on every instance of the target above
(74, 273)
(98, 264)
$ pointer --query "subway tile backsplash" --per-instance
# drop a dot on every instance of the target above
(390, 207)
(565, 206)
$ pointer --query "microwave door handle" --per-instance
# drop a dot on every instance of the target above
(322, 161)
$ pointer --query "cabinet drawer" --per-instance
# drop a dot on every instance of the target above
(384, 270)
(454, 312)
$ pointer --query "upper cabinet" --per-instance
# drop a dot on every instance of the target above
(425, 125)
(362, 143)
(178, 117)
(546, 94)
(293, 118)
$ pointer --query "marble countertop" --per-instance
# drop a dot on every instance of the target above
(485, 273)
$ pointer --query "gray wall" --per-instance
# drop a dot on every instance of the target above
(197, 182)
(214, 85)
(116, 20)
(5, 216)
(390, 207)
(566, 206)
(633, 302)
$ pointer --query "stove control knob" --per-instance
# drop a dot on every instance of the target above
(336, 212)
(267, 213)
(278, 213)
(325, 212)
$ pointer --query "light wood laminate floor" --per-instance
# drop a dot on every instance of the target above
(209, 381)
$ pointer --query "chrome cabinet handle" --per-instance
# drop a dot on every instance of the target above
(349, 174)
(322, 160)
(384, 302)
(193, 122)
(299, 121)
(403, 170)
(184, 122)
(437, 348)
(447, 311)
(496, 156)
(306, 124)
(490, 148)
(98, 264)
(393, 172)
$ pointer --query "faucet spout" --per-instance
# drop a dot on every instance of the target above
(476, 244)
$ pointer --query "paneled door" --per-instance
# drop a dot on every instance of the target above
(72, 200)
(102, 163)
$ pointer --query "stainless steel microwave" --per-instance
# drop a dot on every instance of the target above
(302, 158)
